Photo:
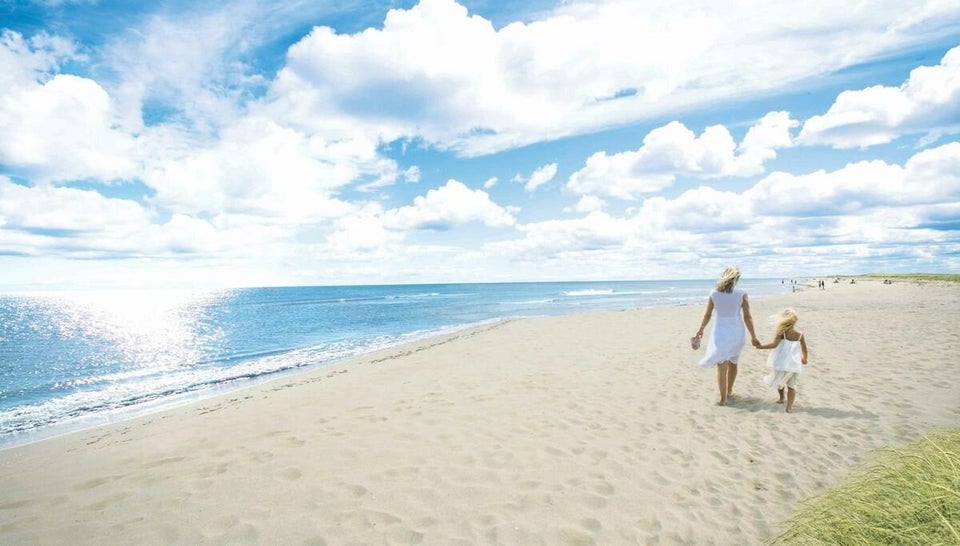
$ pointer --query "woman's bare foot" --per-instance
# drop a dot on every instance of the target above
(780, 401)
(722, 402)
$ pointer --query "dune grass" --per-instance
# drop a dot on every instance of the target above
(909, 495)
(948, 277)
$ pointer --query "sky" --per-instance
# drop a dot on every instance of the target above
(261, 143)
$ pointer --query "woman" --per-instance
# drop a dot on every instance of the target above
(728, 337)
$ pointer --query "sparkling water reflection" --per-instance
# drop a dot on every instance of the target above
(65, 356)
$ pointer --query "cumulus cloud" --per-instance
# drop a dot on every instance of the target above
(259, 167)
(361, 232)
(68, 222)
(451, 77)
(59, 127)
(929, 177)
(589, 203)
(928, 102)
(243, 164)
(674, 150)
(860, 206)
(447, 206)
(597, 230)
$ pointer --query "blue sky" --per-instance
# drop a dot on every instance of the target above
(256, 143)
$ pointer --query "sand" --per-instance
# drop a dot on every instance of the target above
(586, 429)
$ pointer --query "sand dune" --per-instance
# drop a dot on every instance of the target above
(587, 429)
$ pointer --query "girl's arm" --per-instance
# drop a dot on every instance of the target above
(803, 349)
(772, 345)
(748, 321)
(706, 317)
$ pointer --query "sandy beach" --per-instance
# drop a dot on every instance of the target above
(585, 429)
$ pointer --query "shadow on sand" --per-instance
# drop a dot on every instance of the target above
(752, 403)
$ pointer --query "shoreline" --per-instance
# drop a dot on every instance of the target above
(156, 404)
(589, 428)
(119, 415)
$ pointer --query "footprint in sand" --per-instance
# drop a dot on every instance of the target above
(290, 474)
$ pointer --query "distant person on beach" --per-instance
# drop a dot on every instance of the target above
(729, 335)
(787, 359)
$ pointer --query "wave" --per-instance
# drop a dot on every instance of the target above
(589, 292)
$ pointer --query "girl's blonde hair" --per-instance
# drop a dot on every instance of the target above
(785, 320)
(728, 279)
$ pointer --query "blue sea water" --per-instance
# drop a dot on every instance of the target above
(74, 359)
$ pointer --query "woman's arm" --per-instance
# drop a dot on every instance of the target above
(706, 317)
(748, 321)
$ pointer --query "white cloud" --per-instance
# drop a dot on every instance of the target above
(589, 203)
(362, 232)
(929, 177)
(448, 206)
(438, 72)
(762, 140)
(673, 150)
(65, 209)
(54, 221)
(188, 63)
(864, 207)
(411, 174)
(259, 167)
(58, 128)
(265, 173)
(540, 177)
(597, 230)
(28, 60)
(929, 101)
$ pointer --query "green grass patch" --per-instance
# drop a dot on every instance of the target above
(908, 495)
(948, 277)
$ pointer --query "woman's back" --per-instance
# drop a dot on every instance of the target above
(727, 304)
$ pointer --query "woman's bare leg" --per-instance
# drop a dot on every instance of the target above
(722, 382)
(731, 377)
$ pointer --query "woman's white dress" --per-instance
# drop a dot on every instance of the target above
(729, 334)
(786, 363)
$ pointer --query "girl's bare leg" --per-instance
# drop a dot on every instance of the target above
(722, 382)
(791, 395)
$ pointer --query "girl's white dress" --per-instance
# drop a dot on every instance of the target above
(729, 333)
(785, 363)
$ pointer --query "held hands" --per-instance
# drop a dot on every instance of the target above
(756, 342)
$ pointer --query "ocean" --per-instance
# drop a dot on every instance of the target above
(70, 360)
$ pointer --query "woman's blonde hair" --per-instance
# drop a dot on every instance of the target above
(785, 320)
(728, 279)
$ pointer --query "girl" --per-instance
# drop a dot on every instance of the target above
(788, 358)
